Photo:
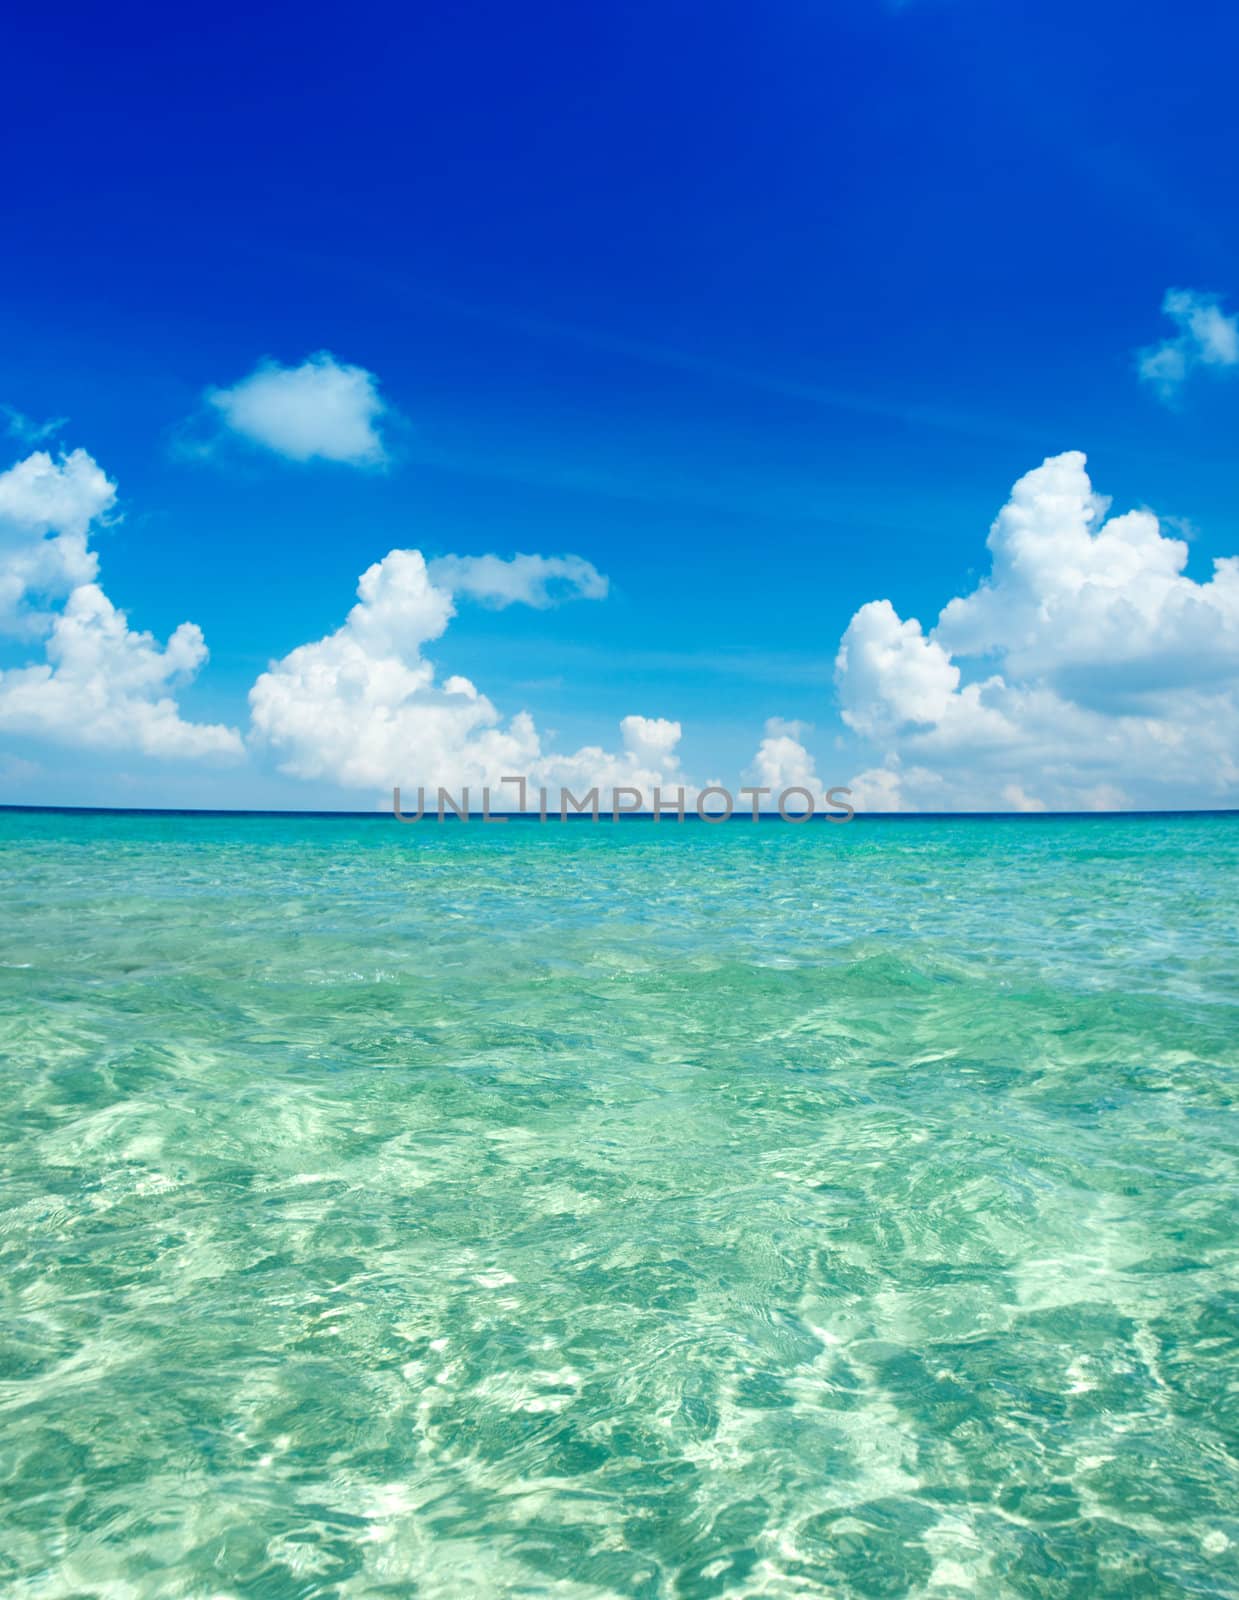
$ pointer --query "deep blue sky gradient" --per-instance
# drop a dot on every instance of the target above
(761, 308)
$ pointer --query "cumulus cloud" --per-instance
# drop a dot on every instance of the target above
(100, 684)
(362, 707)
(651, 740)
(782, 762)
(647, 760)
(879, 789)
(322, 409)
(890, 674)
(1086, 669)
(1207, 337)
(46, 509)
(105, 687)
(537, 581)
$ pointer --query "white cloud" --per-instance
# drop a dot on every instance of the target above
(891, 673)
(39, 496)
(1097, 608)
(1207, 337)
(1015, 798)
(362, 707)
(894, 787)
(537, 581)
(100, 685)
(46, 510)
(782, 762)
(647, 760)
(1105, 671)
(105, 687)
(320, 409)
(878, 789)
(651, 740)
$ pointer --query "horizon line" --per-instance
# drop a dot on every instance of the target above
(671, 819)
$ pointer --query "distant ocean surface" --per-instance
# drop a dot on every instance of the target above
(653, 1211)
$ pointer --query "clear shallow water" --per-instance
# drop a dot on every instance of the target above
(632, 1211)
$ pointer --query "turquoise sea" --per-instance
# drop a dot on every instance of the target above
(667, 1211)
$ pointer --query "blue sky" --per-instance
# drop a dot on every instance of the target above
(761, 311)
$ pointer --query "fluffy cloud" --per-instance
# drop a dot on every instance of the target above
(647, 760)
(100, 685)
(362, 706)
(1107, 675)
(319, 409)
(890, 674)
(782, 762)
(1207, 337)
(46, 510)
(524, 580)
(879, 789)
(105, 687)
(1098, 608)
(651, 740)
